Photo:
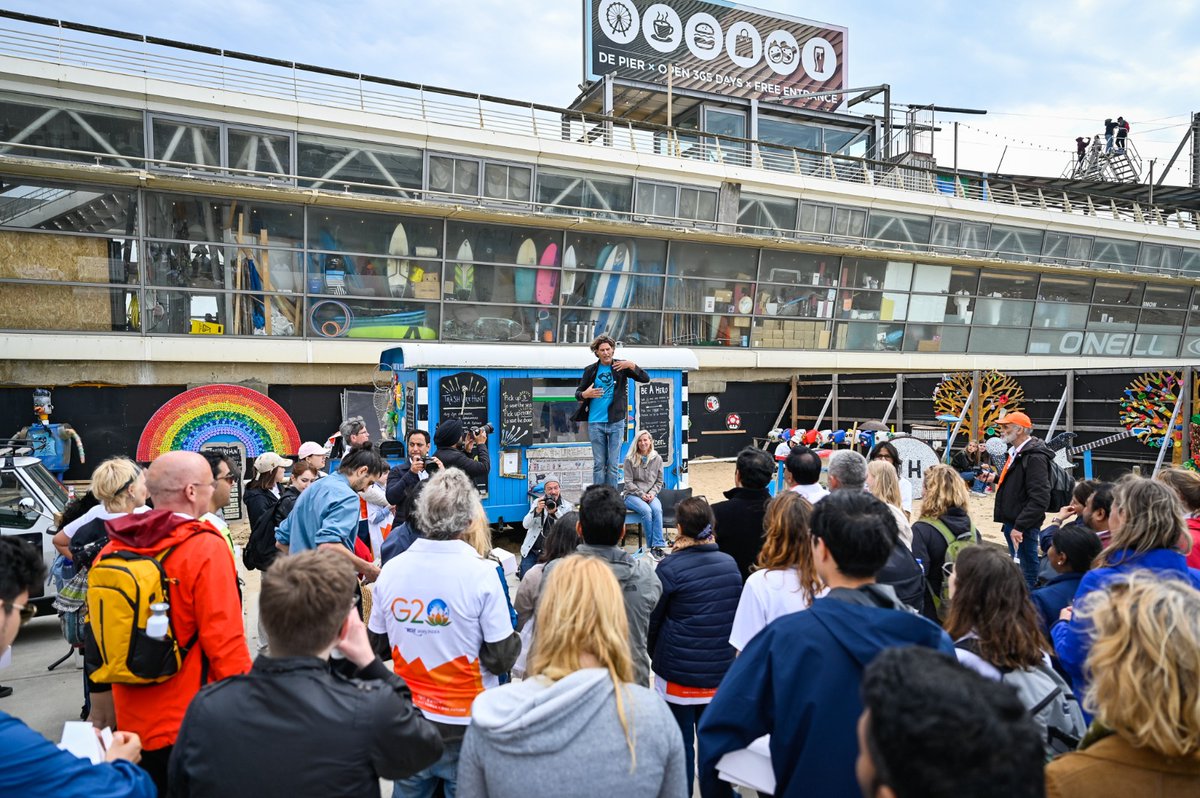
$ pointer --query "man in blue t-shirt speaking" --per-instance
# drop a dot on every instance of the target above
(603, 403)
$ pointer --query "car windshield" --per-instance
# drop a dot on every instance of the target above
(49, 486)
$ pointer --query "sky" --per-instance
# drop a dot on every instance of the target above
(1045, 70)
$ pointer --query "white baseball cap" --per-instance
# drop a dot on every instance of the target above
(309, 448)
(269, 461)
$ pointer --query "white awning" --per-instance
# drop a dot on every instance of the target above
(527, 356)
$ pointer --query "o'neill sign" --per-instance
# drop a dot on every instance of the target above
(1105, 344)
(719, 48)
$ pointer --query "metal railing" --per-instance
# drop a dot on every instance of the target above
(158, 59)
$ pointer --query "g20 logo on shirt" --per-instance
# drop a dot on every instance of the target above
(415, 611)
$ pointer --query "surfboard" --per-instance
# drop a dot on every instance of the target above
(525, 279)
(547, 279)
(464, 272)
(398, 268)
(568, 277)
(612, 289)
(412, 317)
(396, 331)
(590, 286)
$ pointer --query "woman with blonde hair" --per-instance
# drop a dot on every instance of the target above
(576, 725)
(884, 484)
(1145, 693)
(784, 579)
(119, 487)
(1147, 526)
(643, 483)
(944, 521)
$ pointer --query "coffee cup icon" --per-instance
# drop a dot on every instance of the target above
(663, 29)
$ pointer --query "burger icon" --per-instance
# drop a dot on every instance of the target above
(704, 36)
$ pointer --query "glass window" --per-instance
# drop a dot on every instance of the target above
(610, 195)
(507, 182)
(1166, 296)
(211, 220)
(697, 204)
(474, 322)
(713, 296)
(1114, 292)
(997, 340)
(373, 234)
(1112, 317)
(1013, 285)
(43, 306)
(859, 337)
(375, 168)
(786, 334)
(537, 254)
(377, 320)
(69, 125)
(767, 215)
(611, 290)
(61, 258)
(1163, 308)
(935, 338)
(12, 492)
(974, 237)
(593, 250)
(800, 268)
(454, 176)
(183, 141)
(712, 260)
(901, 228)
(1189, 261)
(1015, 243)
(657, 199)
(708, 330)
(553, 405)
(65, 208)
(260, 151)
(850, 223)
(580, 326)
(772, 130)
(815, 218)
(1114, 252)
(1065, 289)
(945, 233)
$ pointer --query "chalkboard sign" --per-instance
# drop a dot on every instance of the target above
(410, 407)
(654, 414)
(463, 396)
(237, 455)
(516, 412)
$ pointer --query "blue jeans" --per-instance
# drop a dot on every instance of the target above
(1028, 552)
(527, 562)
(606, 438)
(424, 784)
(651, 517)
(688, 718)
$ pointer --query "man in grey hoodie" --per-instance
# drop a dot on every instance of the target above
(601, 521)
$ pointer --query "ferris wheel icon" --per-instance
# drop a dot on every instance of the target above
(619, 20)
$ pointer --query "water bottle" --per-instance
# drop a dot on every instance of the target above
(159, 624)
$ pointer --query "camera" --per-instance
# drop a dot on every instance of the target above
(430, 462)
(488, 428)
(551, 504)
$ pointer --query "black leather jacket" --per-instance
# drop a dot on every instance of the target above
(301, 729)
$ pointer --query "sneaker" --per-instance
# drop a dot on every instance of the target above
(657, 553)
(5, 692)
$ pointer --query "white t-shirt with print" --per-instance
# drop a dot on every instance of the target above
(438, 603)
(767, 595)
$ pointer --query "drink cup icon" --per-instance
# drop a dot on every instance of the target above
(663, 30)
(819, 58)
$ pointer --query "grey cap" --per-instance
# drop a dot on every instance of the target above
(546, 480)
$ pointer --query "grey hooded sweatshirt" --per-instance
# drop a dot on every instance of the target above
(543, 739)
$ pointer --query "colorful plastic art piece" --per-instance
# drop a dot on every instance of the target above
(1000, 394)
(214, 413)
(1147, 405)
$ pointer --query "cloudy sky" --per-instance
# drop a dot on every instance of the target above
(1046, 70)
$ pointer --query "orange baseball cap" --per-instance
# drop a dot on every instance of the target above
(1020, 419)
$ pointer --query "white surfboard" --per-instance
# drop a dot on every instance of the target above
(398, 268)
(613, 286)
(524, 280)
(568, 276)
(464, 271)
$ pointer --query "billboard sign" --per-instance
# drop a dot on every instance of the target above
(719, 48)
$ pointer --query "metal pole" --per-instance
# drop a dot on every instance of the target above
(1057, 414)
(1151, 180)
(670, 92)
(957, 424)
(824, 407)
(836, 416)
(900, 406)
(956, 152)
(795, 403)
(1188, 410)
(1166, 439)
(891, 405)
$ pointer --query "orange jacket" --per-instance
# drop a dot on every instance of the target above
(206, 595)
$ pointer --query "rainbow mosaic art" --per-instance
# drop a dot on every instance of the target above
(219, 413)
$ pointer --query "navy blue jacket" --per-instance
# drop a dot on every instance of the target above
(689, 628)
(798, 680)
(401, 480)
(1056, 594)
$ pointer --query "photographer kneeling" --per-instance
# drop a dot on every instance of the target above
(457, 449)
(543, 512)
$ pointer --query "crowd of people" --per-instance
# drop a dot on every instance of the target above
(881, 647)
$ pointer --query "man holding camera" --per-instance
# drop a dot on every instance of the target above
(545, 510)
(406, 476)
(457, 449)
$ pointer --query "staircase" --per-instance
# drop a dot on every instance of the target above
(1118, 166)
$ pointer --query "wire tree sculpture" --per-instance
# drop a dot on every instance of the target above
(1000, 394)
(1147, 405)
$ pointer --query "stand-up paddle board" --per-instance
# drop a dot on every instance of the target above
(613, 284)
(547, 279)
(568, 278)
(398, 268)
(464, 272)
(525, 279)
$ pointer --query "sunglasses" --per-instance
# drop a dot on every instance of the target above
(27, 611)
(230, 478)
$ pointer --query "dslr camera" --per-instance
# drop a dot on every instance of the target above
(488, 428)
(551, 505)
(430, 462)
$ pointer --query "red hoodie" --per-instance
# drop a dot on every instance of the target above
(206, 594)
(1193, 558)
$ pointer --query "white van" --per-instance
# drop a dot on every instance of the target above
(31, 500)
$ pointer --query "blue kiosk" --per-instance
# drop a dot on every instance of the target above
(528, 394)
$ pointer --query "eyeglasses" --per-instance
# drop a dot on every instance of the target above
(27, 611)
(230, 478)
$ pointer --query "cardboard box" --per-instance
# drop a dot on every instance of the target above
(823, 339)
(723, 296)
(741, 322)
(428, 288)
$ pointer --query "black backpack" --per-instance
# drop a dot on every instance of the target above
(260, 549)
(1062, 487)
(904, 574)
